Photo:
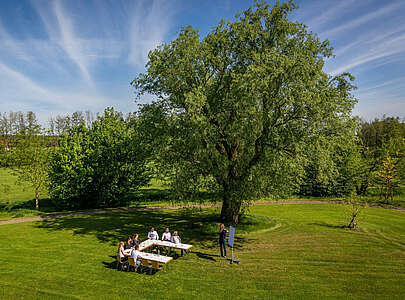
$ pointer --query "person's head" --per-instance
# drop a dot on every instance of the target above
(121, 244)
(137, 247)
(175, 233)
(152, 229)
(135, 237)
(128, 239)
(167, 229)
(221, 227)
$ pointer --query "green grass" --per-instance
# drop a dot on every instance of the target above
(19, 202)
(19, 192)
(287, 251)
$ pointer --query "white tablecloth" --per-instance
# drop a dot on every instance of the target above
(151, 256)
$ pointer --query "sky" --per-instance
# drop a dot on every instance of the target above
(57, 57)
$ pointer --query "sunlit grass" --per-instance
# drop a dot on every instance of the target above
(286, 251)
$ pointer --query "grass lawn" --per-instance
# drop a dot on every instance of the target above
(287, 251)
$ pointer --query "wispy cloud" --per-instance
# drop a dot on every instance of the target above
(362, 20)
(19, 89)
(60, 29)
(148, 29)
(69, 42)
(391, 47)
(333, 11)
(384, 84)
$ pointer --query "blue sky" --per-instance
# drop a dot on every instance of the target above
(57, 57)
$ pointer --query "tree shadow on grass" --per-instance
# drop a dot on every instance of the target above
(206, 256)
(323, 224)
(115, 227)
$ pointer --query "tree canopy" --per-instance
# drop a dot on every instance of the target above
(238, 106)
(98, 166)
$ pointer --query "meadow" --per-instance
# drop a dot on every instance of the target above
(19, 202)
(295, 251)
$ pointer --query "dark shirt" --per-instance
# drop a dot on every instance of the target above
(222, 236)
(135, 242)
(128, 245)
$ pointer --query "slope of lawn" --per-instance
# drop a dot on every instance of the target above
(291, 251)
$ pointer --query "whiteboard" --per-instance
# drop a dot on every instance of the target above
(231, 236)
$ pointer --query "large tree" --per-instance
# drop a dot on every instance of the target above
(234, 109)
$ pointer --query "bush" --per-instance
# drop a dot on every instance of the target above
(98, 166)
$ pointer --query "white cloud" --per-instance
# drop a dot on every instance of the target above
(69, 42)
(390, 50)
(148, 29)
(21, 93)
(331, 13)
(362, 20)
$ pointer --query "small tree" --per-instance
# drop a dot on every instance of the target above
(353, 208)
(388, 175)
(29, 160)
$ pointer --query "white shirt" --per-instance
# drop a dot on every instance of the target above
(166, 236)
(135, 254)
(121, 251)
(176, 239)
(153, 235)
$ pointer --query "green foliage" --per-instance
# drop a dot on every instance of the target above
(237, 109)
(378, 137)
(29, 158)
(98, 166)
(333, 165)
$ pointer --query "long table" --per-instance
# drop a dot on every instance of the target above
(157, 257)
(151, 256)
(149, 243)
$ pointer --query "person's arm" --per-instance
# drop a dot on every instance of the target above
(157, 235)
(149, 234)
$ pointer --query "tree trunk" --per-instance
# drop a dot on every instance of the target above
(230, 208)
(36, 199)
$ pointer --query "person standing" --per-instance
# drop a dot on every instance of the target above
(222, 240)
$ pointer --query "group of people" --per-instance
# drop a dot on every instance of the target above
(134, 242)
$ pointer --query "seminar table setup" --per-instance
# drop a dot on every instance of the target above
(157, 258)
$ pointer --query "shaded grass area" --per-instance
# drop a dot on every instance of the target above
(19, 202)
(286, 251)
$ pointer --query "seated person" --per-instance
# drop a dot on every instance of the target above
(121, 252)
(135, 240)
(134, 254)
(177, 240)
(167, 236)
(128, 244)
(152, 234)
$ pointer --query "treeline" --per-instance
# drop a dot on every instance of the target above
(88, 163)
(372, 157)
